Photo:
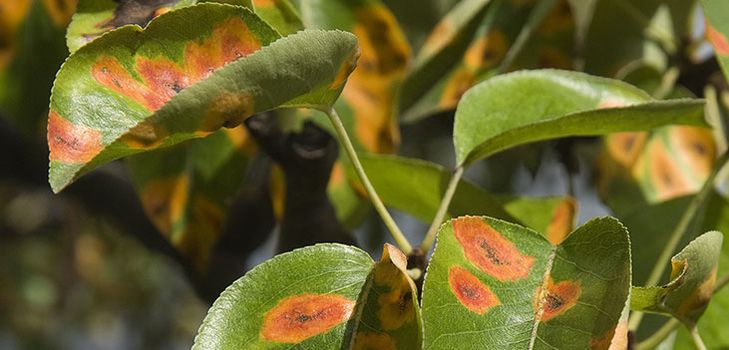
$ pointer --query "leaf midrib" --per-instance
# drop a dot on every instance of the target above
(543, 290)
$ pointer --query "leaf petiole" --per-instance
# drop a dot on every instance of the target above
(395, 231)
(442, 209)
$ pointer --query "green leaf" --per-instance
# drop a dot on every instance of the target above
(553, 104)
(416, 187)
(186, 189)
(280, 14)
(693, 275)
(96, 17)
(500, 285)
(717, 28)
(101, 111)
(327, 296)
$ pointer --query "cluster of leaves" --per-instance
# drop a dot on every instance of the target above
(172, 96)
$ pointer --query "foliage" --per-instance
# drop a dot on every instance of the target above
(223, 112)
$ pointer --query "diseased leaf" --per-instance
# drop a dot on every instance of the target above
(388, 314)
(93, 18)
(415, 186)
(501, 285)
(507, 35)
(186, 189)
(131, 77)
(693, 275)
(327, 296)
(717, 28)
(555, 104)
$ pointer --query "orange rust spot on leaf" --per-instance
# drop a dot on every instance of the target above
(563, 220)
(457, 85)
(717, 40)
(557, 299)
(625, 147)
(665, 175)
(490, 251)
(470, 291)
(696, 147)
(300, 317)
(373, 341)
(71, 143)
(486, 51)
(162, 78)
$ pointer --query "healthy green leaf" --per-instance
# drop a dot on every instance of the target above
(693, 275)
(327, 296)
(717, 28)
(553, 104)
(101, 111)
(501, 286)
(416, 187)
(280, 14)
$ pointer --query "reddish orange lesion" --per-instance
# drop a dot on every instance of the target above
(562, 221)
(470, 291)
(625, 147)
(300, 317)
(696, 147)
(717, 40)
(161, 78)
(556, 298)
(490, 251)
(666, 176)
(71, 143)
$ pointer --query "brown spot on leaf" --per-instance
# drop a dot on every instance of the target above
(461, 80)
(470, 291)
(70, 143)
(139, 12)
(695, 303)
(297, 318)
(228, 110)
(490, 251)
(614, 339)
(557, 298)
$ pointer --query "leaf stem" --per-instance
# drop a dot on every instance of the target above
(395, 231)
(659, 336)
(442, 209)
(686, 219)
(696, 337)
